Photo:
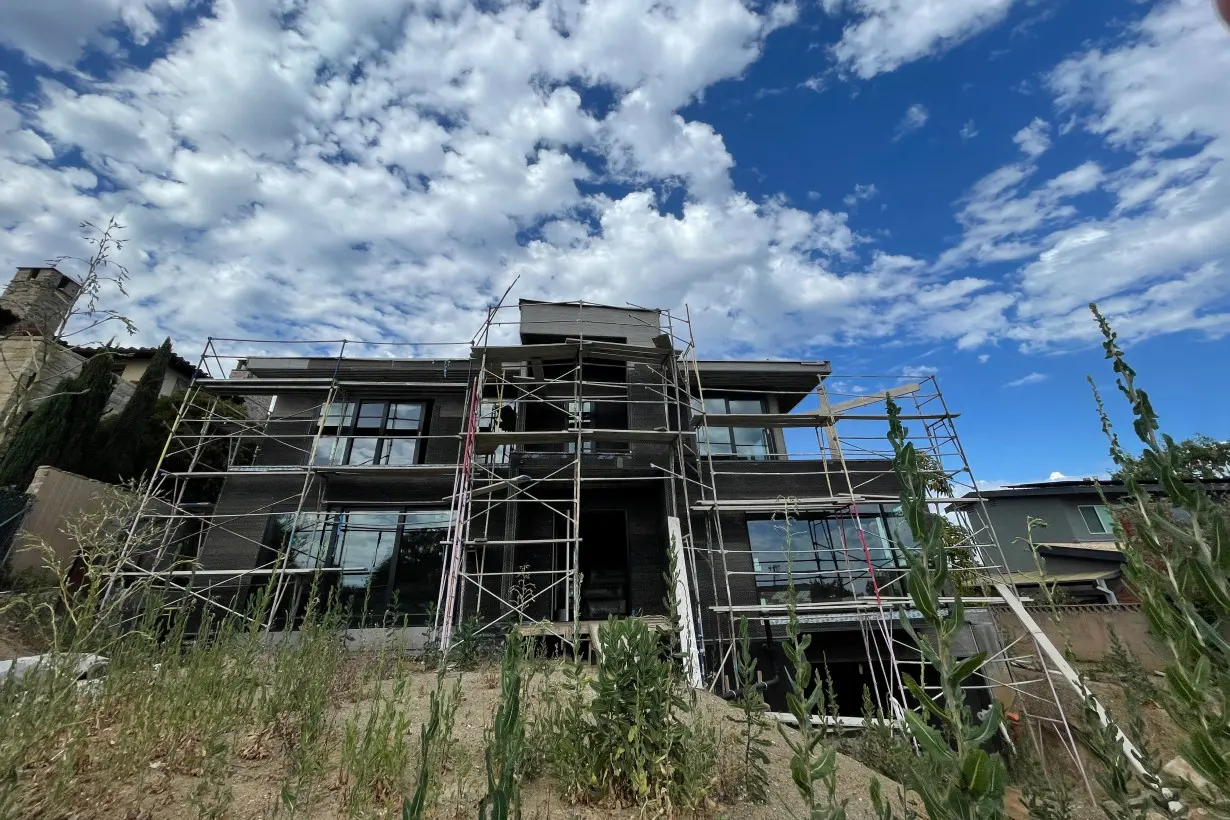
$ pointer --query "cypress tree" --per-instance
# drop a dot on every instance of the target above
(124, 451)
(96, 382)
(59, 427)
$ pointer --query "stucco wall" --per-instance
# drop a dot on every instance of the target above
(134, 369)
(1064, 525)
(638, 327)
(1086, 628)
(60, 497)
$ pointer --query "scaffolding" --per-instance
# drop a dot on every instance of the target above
(541, 421)
(534, 438)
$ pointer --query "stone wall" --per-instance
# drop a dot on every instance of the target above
(42, 365)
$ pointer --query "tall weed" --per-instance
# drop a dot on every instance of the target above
(752, 723)
(1178, 562)
(505, 754)
(955, 777)
(434, 736)
(813, 761)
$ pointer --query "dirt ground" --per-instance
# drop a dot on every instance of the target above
(13, 644)
(255, 783)
(257, 774)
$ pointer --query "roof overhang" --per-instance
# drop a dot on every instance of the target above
(1096, 550)
(1034, 578)
(287, 367)
(791, 381)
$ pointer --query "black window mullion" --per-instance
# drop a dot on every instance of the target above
(393, 559)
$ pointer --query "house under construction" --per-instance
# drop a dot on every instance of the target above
(549, 474)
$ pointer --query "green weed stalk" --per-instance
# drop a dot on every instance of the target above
(505, 751)
(752, 723)
(957, 778)
(1177, 550)
(813, 761)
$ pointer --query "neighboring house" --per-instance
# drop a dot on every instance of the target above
(131, 363)
(1075, 552)
(33, 359)
(591, 457)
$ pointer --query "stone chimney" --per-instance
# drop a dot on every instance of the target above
(37, 301)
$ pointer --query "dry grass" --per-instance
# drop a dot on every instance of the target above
(213, 733)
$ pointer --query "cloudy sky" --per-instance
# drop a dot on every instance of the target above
(897, 186)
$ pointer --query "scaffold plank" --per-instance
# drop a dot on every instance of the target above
(498, 437)
(613, 351)
(801, 419)
(301, 469)
(775, 505)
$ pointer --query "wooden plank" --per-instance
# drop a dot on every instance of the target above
(683, 600)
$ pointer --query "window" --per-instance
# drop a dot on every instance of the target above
(597, 415)
(390, 560)
(738, 442)
(826, 555)
(63, 283)
(371, 433)
(1098, 519)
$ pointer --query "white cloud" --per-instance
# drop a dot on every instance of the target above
(814, 83)
(998, 484)
(889, 33)
(1156, 262)
(1034, 138)
(1032, 378)
(968, 131)
(1057, 476)
(983, 358)
(373, 170)
(919, 371)
(861, 193)
(56, 32)
(1003, 220)
(915, 117)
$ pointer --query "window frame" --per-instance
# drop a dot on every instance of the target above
(1103, 514)
(345, 432)
(823, 561)
(704, 440)
(322, 543)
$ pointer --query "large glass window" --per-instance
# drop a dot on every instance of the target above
(385, 564)
(371, 433)
(737, 442)
(828, 556)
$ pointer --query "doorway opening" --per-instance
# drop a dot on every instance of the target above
(605, 582)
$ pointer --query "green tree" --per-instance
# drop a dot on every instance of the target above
(1200, 458)
(126, 441)
(61, 426)
(957, 539)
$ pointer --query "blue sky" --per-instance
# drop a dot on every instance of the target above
(898, 187)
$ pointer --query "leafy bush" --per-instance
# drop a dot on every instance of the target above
(638, 736)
